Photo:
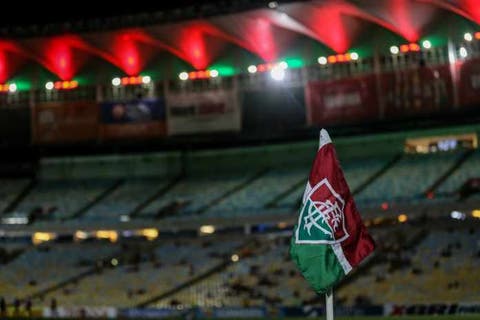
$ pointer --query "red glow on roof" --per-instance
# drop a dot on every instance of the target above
(11, 58)
(125, 48)
(402, 17)
(472, 7)
(62, 55)
(3, 67)
(329, 21)
(255, 32)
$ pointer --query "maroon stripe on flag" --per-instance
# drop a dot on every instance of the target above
(359, 244)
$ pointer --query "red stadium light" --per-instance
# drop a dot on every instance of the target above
(385, 206)
(61, 85)
(265, 67)
(332, 59)
(8, 88)
(132, 80)
(413, 47)
(200, 74)
(404, 48)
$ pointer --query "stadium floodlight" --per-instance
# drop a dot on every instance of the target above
(394, 50)
(322, 60)
(463, 52)
(213, 73)
(354, 56)
(273, 4)
(235, 257)
(426, 44)
(116, 81)
(277, 73)
(12, 87)
(183, 76)
(207, 229)
(468, 36)
(283, 64)
(457, 215)
(476, 213)
(81, 235)
(146, 79)
(49, 85)
(252, 69)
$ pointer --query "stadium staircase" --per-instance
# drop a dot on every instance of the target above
(360, 188)
(273, 203)
(235, 189)
(377, 174)
(163, 190)
(455, 166)
(249, 244)
(74, 279)
(15, 202)
(97, 199)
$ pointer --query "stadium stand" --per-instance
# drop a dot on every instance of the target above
(39, 268)
(407, 180)
(146, 270)
(469, 169)
(63, 198)
(9, 189)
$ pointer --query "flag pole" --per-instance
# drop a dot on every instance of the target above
(329, 304)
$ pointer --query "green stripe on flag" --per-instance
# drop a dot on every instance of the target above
(318, 264)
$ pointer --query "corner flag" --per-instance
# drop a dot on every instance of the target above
(329, 239)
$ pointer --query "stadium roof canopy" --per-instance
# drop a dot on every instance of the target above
(232, 37)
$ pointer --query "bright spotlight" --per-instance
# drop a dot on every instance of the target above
(463, 52)
(283, 65)
(49, 85)
(252, 69)
(12, 87)
(354, 56)
(183, 76)
(116, 81)
(273, 4)
(402, 218)
(322, 60)
(468, 37)
(277, 73)
(458, 215)
(146, 79)
(426, 44)
(394, 50)
(213, 73)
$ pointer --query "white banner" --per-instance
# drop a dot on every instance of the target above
(80, 312)
(203, 112)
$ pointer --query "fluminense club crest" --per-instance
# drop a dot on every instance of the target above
(322, 218)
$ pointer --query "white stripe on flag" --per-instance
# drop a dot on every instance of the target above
(337, 249)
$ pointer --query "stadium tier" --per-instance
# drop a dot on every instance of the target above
(418, 262)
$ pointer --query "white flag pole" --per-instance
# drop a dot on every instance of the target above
(329, 304)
